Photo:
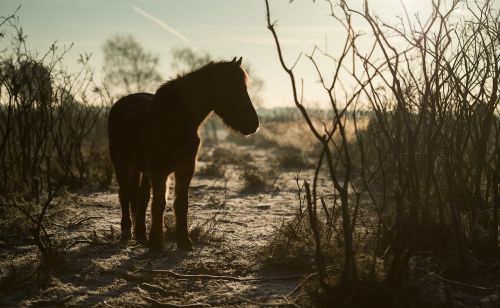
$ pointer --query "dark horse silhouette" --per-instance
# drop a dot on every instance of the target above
(151, 136)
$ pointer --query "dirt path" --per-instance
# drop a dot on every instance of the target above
(230, 227)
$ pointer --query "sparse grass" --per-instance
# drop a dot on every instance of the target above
(288, 141)
(266, 141)
(213, 169)
(289, 157)
(204, 154)
(169, 227)
(225, 156)
(202, 232)
(206, 231)
(291, 246)
(111, 236)
(287, 248)
(15, 225)
(101, 170)
(15, 271)
(253, 178)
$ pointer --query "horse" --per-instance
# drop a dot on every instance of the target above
(152, 136)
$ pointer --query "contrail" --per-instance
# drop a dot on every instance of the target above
(162, 24)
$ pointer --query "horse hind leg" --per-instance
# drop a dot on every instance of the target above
(126, 182)
(143, 196)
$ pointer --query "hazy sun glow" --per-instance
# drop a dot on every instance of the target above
(224, 29)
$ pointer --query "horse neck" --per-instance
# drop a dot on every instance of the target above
(197, 97)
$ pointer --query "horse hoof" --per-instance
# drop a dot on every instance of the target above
(155, 246)
(156, 250)
(141, 239)
(185, 244)
(125, 237)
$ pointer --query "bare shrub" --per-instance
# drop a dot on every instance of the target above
(225, 156)
(289, 157)
(253, 178)
(290, 244)
(207, 231)
(215, 168)
(15, 225)
(46, 118)
(415, 142)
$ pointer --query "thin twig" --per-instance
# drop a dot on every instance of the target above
(149, 286)
(221, 277)
(329, 268)
(458, 283)
(81, 221)
(51, 302)
(462, 284)
(86, 242)
(78, 242)
(155, 303)
(301, 284)
(260, 304)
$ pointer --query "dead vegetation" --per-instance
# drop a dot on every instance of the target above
(411, 152)
(47, 117)
(388, 199)
(224, 269)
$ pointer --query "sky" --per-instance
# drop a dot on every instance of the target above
(223, 28)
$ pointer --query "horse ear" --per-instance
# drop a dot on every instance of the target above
(234, 59)
(239, 60)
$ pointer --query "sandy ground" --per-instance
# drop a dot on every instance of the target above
(230, 225)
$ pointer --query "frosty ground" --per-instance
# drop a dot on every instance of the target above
(243, 199)
(233, 214)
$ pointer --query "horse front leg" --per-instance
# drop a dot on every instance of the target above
(183, 176)
(158, 183)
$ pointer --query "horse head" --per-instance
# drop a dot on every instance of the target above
(231, 100)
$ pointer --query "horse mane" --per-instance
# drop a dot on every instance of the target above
(207, 68)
